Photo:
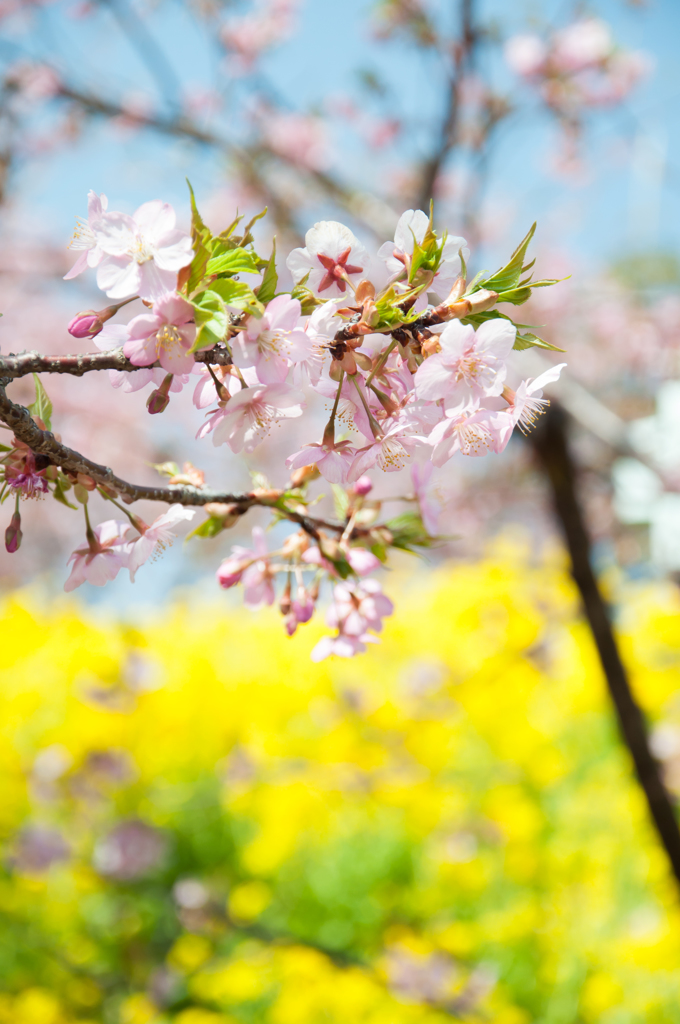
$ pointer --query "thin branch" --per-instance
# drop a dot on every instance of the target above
(449, 130)
(78, 363)
(551, 446)
(43, 442)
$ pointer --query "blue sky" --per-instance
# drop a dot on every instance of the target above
(596, 219)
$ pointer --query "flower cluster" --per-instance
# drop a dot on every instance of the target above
(409, 359)
(579, 66)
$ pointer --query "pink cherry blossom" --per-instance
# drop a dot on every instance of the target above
(163, 335)
(301, 611)
(356, 608)
(362, 561)
(411, 228)
(470, 365)
(527, 402)
(267, 341)
(476, 434)
(333, 460)
(583, 44)
(155, 538)
(85, 237)
(142, 253)
(137, 379)
(251, 567)
(526, 54)
(331, 251)
(342, 645)
(388, 452)
(102, 561)
(247, 417)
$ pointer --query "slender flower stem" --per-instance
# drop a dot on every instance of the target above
(377, 433)
(135, 520)
(381, 361)
(329, 430)
(89, 533)
(222, 392)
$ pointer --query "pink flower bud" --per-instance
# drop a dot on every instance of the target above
(363, 486)
(159, 399)
(86, 324)
(13, 534)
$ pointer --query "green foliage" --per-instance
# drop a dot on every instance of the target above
(267, 290)
(233, 261)
(41, 407)
(210, 527)
(200, 241)
(212, 319)
(408, 531)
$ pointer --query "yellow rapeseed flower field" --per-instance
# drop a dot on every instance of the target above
(200, 825)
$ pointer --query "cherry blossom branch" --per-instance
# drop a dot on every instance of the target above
(78, 363)
(43, 442)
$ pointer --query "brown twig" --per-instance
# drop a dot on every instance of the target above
(551, 446)
(464, 50)
(78, 363)
(43, 442)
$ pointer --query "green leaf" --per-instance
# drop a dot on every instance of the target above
(211, 319)
(166, 468)
(59, 492)
(340, 500)
(225, 235)
(305, 296)
(408, 531)
(208, 528)
(516, 296)
(247, 236)
(5, 448)
(237, 294)
(233, 261)
(42, 406)
(508, 276)
(523, 341)
(200, 242)
(270, 279)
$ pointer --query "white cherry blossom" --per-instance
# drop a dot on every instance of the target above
(331, 251)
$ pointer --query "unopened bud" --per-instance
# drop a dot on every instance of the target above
(13, 534)
(431, 346)
(363, 486)
(86, 481)
(86, 324)
(285, 603)
(336, 371)
(459, 286)
(81, 493)
(364, 290)
(159, 399)
(89, 322)
(349, 364)
(303, 475)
